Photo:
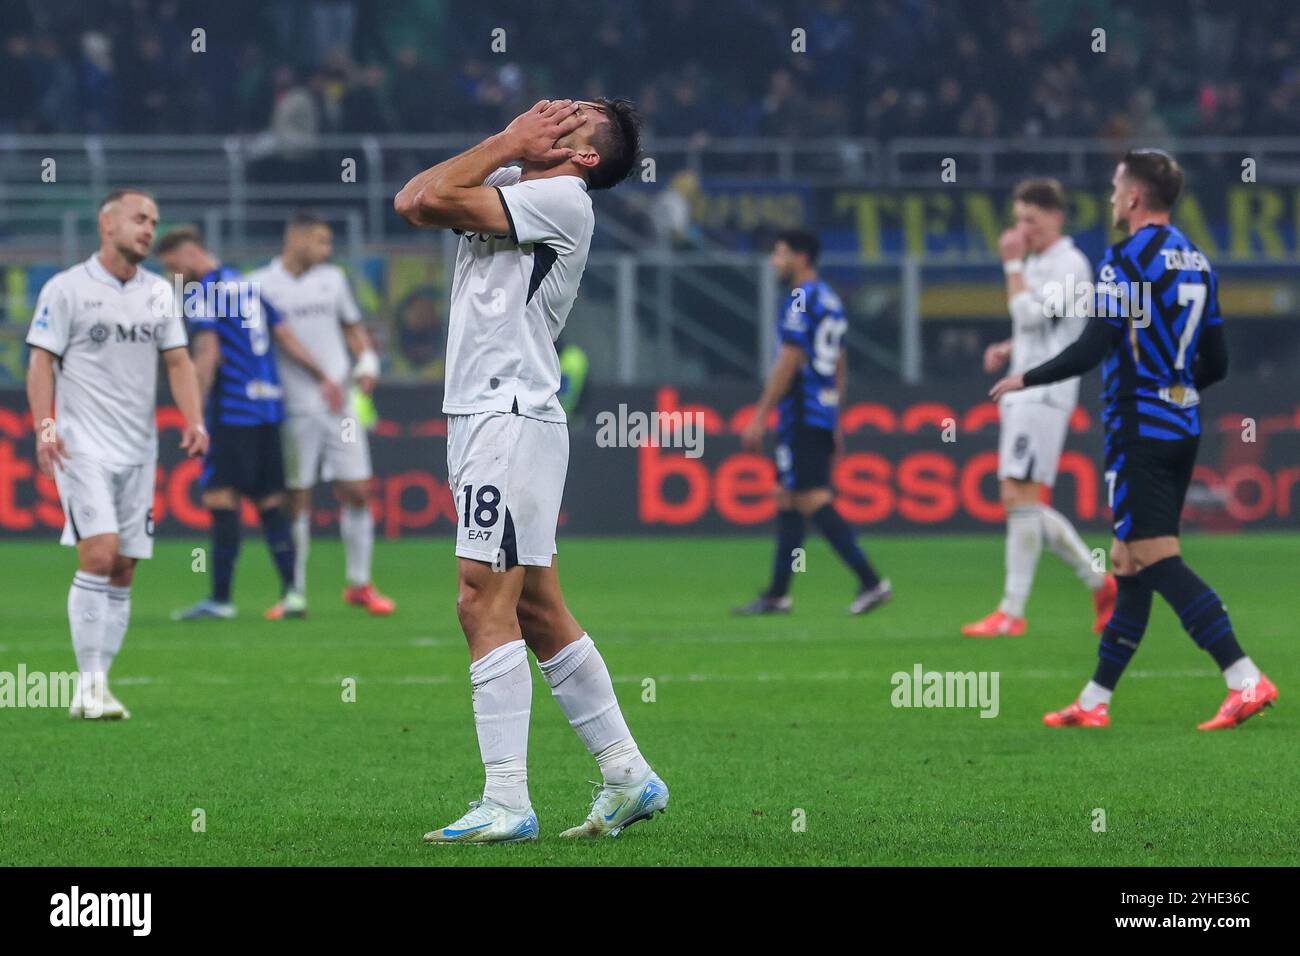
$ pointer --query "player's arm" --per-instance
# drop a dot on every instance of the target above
(996, 356)
(788, 363)
(451, 194)
(1082, 355)
(207, 355)
(1026, 311)
(184, 383)
(1211, 362)
(40, 396)
(841, 390)
(289, 344)
(362, 347)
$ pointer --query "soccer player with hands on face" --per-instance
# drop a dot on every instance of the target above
(524, 236)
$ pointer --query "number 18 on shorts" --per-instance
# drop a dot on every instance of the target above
(507, 474)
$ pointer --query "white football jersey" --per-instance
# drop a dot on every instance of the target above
(511, 295)
(313, 304)
(107, 335)
(1046, 318)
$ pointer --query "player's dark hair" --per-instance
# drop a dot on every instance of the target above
(1044, 192)
(803, 242)
(178, 237)
(618, 142)
(121, 191)
(304, 217)
(1158, 174)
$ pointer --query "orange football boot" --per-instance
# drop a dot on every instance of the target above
(1076, 716)
(996, 624)
(1103, 602)
(367, 597)
(1241, 705)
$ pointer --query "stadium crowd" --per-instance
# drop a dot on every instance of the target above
(881, 68)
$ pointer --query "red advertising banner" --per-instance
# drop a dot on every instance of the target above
(668, 460)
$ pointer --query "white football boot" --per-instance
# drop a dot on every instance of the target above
(488, 822)
(92, 700)
(616, 808)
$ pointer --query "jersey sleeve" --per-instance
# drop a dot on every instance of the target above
(795, 324)
(349, 311)
(1212, 314)
(273, 315)
(170, 332)
(504, 176)
(1066, 312)
(197, 312)
(51, 327)
(1112, 305)
(553, 211)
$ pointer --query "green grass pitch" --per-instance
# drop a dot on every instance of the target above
(752, 722)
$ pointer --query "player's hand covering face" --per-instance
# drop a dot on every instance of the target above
(537, 132)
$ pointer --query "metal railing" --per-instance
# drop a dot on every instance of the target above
(41, 177)
(693, 317)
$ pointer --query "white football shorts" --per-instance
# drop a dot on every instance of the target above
(506, 473)
(100, 498)
(324, 446)
(1031, 441)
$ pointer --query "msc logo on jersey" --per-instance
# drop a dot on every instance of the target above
(143, 332)
(480, 236)
(100, 333)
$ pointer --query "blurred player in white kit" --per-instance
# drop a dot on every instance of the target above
(92, 384)
(1043, 268)
(313, 296)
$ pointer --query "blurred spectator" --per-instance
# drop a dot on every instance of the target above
(366, 107)
(881, 68)
(16, 62)
(416, 93)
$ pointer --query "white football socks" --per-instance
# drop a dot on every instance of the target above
(503, 700)
(1242, 674)
(1094, 694)
(119, 619)
(301, 546)
(357, 528)
(581, 685)
(1024, 545)
(88, 618)
(1064, 542)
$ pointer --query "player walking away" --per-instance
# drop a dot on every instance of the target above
(231, 329)
(1042, 269)
(1156, 359)
(524, 235)
(96, 335)
(321, 442)
(805, 386)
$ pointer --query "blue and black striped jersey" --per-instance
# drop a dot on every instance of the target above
(246, 389)
(812, 319)
(1160, 292)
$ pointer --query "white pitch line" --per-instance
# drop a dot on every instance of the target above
(696, 678)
